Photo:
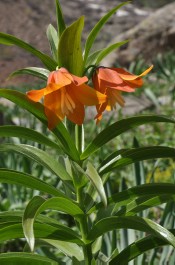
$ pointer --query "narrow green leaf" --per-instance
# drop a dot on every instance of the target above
(52, 36)
(131, 222)
(60, 20)
(78, 174)
(37, 109)
(146, 202)
(28, 220)
(139, 172)
(97, 182)
(35, 71)
(41, 157)
(68, 248)
(15, 217)
(137, 248)
(42, 231)
(120, 127)
(12, 216)
(138, 154)
(26, 180)
(69, 48)
(94, 32)
(25, 258)
(26, 133)
(125, 197)
(37, 205)
(92, 58)
(108, 50)
(45, 59)
(112, 158)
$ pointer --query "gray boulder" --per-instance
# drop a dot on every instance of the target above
(153, 35)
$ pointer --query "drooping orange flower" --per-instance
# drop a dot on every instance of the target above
(111, 82)
(66, 95)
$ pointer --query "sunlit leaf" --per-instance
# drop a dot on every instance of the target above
(25, 258)
(69, 48)
(131, 222)
(92, 58)
(42, 231)
(120, 127)
(97, 182)
(125, 197)
(41, 157)
(68, 248)
(108, 50)
(45, 59)
(95, 31)
(37, 205)
(26, 180)
(35, 71)
(134, 155)
(26, 133)
(37, 110)
(60, 19)
(52, 36)
(137, 248)
(145, 202)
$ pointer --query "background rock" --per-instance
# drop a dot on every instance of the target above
(155, 34)
(29, 20)
(150, 31)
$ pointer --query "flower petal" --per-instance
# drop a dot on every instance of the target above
(128, 76)
(52, 107)
(51, 88)
(99, 85)
(87, 96)
(77, 116)
(100, 108)
(62, 77)
(52, 118)
(79, 80)
(109, 75)
(36, 95)
(75, 79)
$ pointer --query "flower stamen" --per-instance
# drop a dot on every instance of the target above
(67, 104)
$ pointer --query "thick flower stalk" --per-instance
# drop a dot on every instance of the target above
(111, 82)
(65, 96)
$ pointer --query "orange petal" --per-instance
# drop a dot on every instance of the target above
(100, 108)
(52, 118)
(134, 83)
(62, 78)
(73, 78)
(77, 116)
(86, 95)
(109, 78)
(99, 85)
(114, 97)
(36, 95)
(109, 75)
(51, 88)
(128, 76)
(52, 105)
(79, 80)
(125, 86)
(51, 77)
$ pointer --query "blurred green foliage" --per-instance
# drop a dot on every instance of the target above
(159, 87)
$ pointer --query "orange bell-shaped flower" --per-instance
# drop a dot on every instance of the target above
(111, 82)
(65, 96)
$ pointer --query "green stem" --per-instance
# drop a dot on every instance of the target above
(93, 66)
(83, 222)
(79, 138)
